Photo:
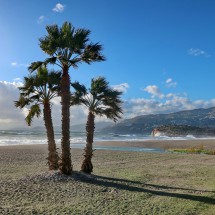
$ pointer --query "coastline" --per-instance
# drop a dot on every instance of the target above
(161, 144)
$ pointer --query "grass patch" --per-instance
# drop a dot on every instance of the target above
(194, 150)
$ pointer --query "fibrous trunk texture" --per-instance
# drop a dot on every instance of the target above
(65, 164)
(87, 165)
(52, 153)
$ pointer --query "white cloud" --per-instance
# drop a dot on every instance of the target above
(169, 80)
(174, 103)
(40, 19)
(12, 117)
(154, 91)
(9, 115)
(121, 87)
(59, 8)
(15, 64)
(171, 83)
(197, 52)
(17, 79)
(170, 102)
(169, 95)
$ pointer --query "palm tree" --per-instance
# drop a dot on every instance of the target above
(39, 90)
(67, 47)
(100, 100)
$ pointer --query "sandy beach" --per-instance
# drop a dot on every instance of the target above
(122, 182)
(162, 144)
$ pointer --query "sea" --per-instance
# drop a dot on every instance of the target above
(78, 139)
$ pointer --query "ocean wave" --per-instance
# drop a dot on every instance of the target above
(28, 137)
(30, 141)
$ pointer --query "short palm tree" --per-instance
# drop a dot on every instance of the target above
(67, 47)
(39, 90)
(100, 100)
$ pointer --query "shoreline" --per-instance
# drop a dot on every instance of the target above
(160, 144)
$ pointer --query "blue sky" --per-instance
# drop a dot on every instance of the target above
(159, 52)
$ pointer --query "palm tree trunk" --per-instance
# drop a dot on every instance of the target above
(65, 164)
(87, 166)
(52, 154)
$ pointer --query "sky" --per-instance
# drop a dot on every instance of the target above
(160, 53)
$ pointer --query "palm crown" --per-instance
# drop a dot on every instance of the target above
(38, 89)
(68, 46)
(100, 98)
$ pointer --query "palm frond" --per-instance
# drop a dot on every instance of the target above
(99, 86)
(80, 38)
(50, 43)
(74, 62)
(53, 31)
(78, 97)
(51, 60)
(34, 111)
(22, 102)
(79, 88)
(43, 85)
(66, 35)
(92, 53)
(113, 114)
(34, 66)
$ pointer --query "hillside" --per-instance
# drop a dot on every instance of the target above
(76, 128)
(201, 118)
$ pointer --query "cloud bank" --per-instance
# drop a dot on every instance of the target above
(141, 106)
(11, 117)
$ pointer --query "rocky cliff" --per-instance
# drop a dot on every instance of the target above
(182, 130)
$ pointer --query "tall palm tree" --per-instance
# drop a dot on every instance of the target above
(100, 100)
(67, 47)
(39, 90)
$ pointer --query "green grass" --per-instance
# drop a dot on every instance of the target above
(122, 183)
(194, 150)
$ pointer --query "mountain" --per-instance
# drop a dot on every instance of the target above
(145, 124)
(98, 126)
(76, 128)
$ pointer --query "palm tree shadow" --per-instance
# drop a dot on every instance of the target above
(136, 186)
(151, 185)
